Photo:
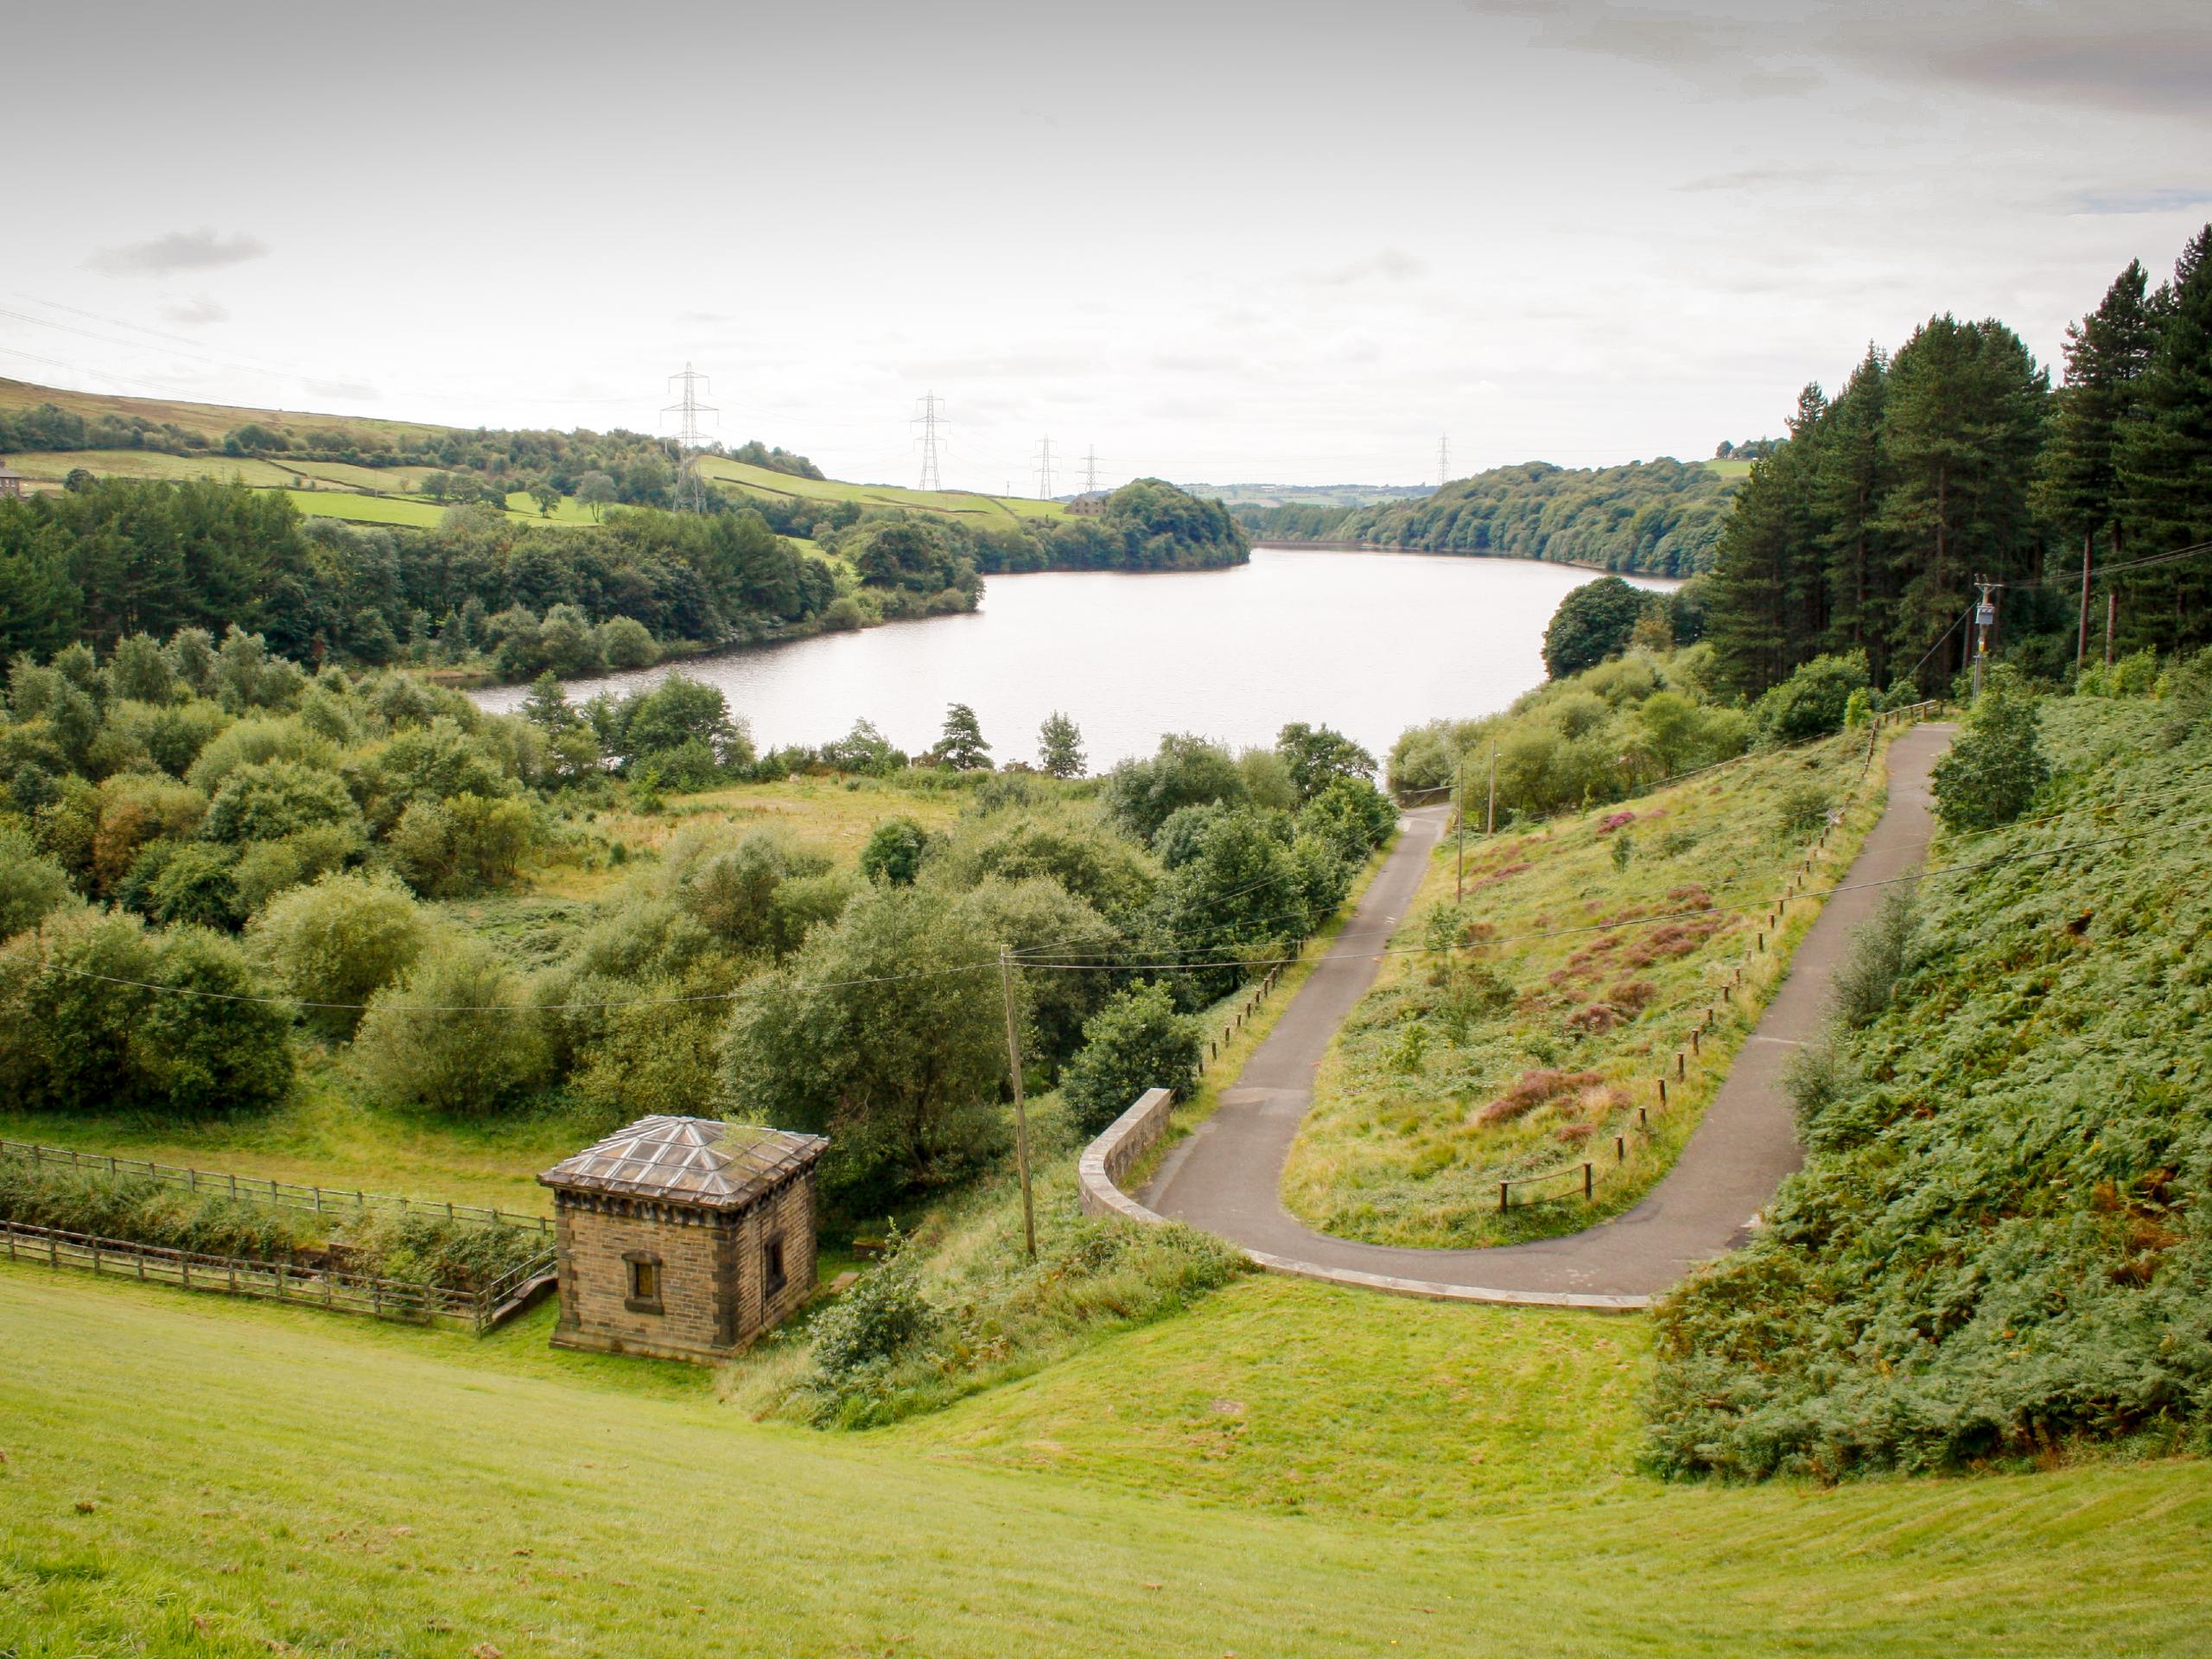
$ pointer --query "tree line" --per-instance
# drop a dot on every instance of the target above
(122, 557)
(1952, 460)
(1147, 525)
(1656, 517)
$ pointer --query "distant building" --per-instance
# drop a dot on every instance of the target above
(11, 481)
(682, 1237)
(1092, 505)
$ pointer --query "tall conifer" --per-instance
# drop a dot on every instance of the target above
(1965, 422)
(2165, 464)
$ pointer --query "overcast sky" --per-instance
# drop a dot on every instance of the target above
(1292, 242)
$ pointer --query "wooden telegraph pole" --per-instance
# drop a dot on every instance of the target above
(1459, 867)
(1021, 1108)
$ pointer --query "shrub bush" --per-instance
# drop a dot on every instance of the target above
(1137, 1041)
(453, 1035)
(32, 886)
(340, 942)
(1813, 701)
(1995, 768)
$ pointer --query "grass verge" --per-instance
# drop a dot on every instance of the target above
(1525, 1030)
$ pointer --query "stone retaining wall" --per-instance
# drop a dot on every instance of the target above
(1114, 1153)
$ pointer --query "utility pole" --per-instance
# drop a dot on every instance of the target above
(1021, 1110)
(1459, 858)
(1985, 615)
(1090, 470)
(690, 437)
(2081, 644)
(1443, 461)
(927, 420)
(1044, 469)
(1490, 823)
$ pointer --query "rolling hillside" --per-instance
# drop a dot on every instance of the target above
(145, 438)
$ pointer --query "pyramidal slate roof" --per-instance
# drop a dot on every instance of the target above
(695, 1160)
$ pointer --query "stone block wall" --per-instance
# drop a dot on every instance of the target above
(714, 1297)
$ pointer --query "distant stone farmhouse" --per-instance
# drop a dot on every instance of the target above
(682, 1237)
(1089, 506)
(11, 481)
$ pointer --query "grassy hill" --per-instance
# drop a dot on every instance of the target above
(1291, 1470)
(373, 493)
(2000, 1245)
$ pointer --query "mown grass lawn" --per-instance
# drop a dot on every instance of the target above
(1585, 950)
(1290, 1470)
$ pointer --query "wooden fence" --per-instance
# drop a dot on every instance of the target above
(278, 1281)
(323, 1200)
(1581, 1178)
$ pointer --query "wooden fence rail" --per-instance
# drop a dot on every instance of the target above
(276, 1282)
(261, 1188)
(1582, 1177)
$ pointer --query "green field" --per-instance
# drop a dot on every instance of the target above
(1290, 1470)
(51, 466)
(1731, 467)
(959, 504)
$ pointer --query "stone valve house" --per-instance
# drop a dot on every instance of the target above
(682, 1237)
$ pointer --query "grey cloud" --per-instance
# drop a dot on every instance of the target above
(200, 308)
(1708, 48)
(2172, 199)
(2158, 71)
(2132, 56)
(1755, 178)
(174, 250)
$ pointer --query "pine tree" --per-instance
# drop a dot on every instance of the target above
(547, 706)
(1965, 418)
(960, 745)
(2078, 487)
(1059, 746)
(1755, 590)
(1851, 487)
(2165, 464)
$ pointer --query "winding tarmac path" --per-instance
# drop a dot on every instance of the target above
(1227, 1176)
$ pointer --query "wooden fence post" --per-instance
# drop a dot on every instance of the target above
(1504, 1191)
(1589, 1181)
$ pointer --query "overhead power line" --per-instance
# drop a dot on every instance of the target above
(929, 420)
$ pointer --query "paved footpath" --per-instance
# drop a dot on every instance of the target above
(1226, 1176)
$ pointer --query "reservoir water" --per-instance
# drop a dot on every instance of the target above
(1369, 643)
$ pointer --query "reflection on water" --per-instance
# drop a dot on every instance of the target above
(1369, 643)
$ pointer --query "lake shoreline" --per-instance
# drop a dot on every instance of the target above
(1435, 553)
(1369, 643)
